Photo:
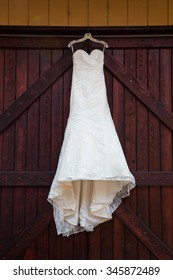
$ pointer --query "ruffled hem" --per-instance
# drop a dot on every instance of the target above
(64, 227)
(67, 229)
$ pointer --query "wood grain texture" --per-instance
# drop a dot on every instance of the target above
(154, 143)
(8, 139)
(4, 12)
(20, 145)
(159, 15)
(18, 12)
(30, 95)
(94, 248)
(130, 148)
(166, 143)
(38, 12)
(57, 114)
(78, 13)
(122, 42)
(118, 99)
(56, 136)
(44, 178)
(117, 12)
(107, 228)
(32, 151)
(98, 15)
(2, 57)
(137, 12)
(142, 150)
(170, 12)
(1, 98)
(58, 13)
(145, 235)
(86, 13)
(44, 151)
(25, 238)
(119, 120)
(146, 95)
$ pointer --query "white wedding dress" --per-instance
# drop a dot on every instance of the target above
(92, 174)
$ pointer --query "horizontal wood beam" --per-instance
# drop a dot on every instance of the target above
(35, 90)
(40, 178)
(141, 231)
(154, 178)
(80, 30)
(138, 89)
(117, 41)
(44, 178)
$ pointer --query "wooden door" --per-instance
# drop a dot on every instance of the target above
(35, 81)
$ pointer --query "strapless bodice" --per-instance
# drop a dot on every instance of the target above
(88, 93)
(85, 61)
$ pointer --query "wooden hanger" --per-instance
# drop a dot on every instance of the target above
(87, 36)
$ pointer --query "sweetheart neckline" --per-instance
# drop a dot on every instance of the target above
(88, 54)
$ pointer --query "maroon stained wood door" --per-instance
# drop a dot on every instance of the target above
(35, 81)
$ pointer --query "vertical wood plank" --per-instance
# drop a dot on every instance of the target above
(67, 248)
(1, 146)
(80, 242)
(118, 239)
(18, 12)
(54, 243)
(137, 12)
(32, 150)
(94, 240)
(130, 113)
(107, 228)
(119, 120)
(166, 146)
(56, 142)
(38, 12)
(45, 111)
(118, 100)
(107, 240)
(1, 97)
(98, 13)
(21, 85)
(58, 13)
(4, 12)
(66, 97)
(44, 150)
(130, 148)
(142, 149)
(33, 113)
(170, 14)
(154, 144)
(109, 85)
(8, 149)
(57, 115)
(78, 13)
(117, 13)
(157, 12)
(20, 144)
